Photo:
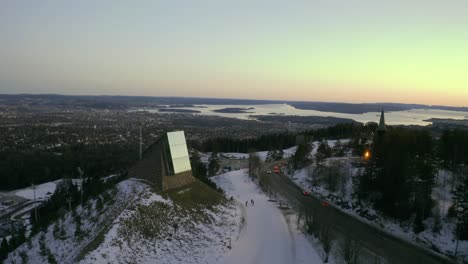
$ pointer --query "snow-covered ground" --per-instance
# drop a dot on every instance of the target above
(267, 237)
(444, 241)
(204, 157)
(61, 239)
(136, 225)
(287, 153)
(442, 191)
(109, 233)
(192, 242)
(231, 155)
(43, 191)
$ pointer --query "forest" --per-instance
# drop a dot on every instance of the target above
(22, 168)
(400, 174)
(281, 140)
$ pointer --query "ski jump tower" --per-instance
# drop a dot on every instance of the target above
(166, 163)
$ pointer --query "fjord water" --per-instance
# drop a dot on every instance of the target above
(409, 117)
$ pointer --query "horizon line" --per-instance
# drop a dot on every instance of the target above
(227, 98)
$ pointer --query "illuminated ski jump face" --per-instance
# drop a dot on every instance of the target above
(179, 156)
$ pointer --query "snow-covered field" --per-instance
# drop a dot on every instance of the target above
(267, 236)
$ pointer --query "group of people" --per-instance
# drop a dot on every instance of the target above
(252, 203)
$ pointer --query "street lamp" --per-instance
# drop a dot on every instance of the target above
(367, 155)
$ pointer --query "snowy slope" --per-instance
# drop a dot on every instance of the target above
(136, 226)
(267, 237)
(194, 241)
(60, 239)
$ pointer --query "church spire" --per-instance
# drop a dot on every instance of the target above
(382, 128)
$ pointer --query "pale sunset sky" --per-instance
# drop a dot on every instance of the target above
(404, 51)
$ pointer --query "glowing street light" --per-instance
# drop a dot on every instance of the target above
(367, 155)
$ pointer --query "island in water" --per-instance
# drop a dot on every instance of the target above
(448, 122)
(234, 110)
(177, 110)
(186, 105)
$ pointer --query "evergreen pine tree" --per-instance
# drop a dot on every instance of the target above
(302, 155)
(323, 152)
(270, 156)
(254, 164)
(279, 155)
(4, 249)
(214, 164)
(460, 198)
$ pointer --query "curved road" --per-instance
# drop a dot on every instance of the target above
(375, 241)
(266, 237)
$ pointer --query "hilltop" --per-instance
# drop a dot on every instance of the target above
(135, 223)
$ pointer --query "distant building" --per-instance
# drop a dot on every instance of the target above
(166, 163)
(381, 129)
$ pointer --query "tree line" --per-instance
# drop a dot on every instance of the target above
(22, 168)
(279, 141)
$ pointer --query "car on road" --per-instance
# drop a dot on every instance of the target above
(305, 193)
(268, 171)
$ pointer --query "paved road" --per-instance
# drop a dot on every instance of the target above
(7, 216)
(391, 248)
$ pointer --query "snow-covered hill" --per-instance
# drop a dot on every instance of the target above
(133, 223)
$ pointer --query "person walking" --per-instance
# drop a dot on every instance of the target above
(252, 202)
(246, 203)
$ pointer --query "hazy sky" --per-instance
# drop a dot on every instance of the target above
(413, 51)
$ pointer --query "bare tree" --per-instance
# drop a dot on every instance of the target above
(335, 175)
(350, 250)
(437, 226)
(312, 176)
(327, 242)
(311, 223)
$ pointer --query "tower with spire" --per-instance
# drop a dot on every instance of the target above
(381, 129)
